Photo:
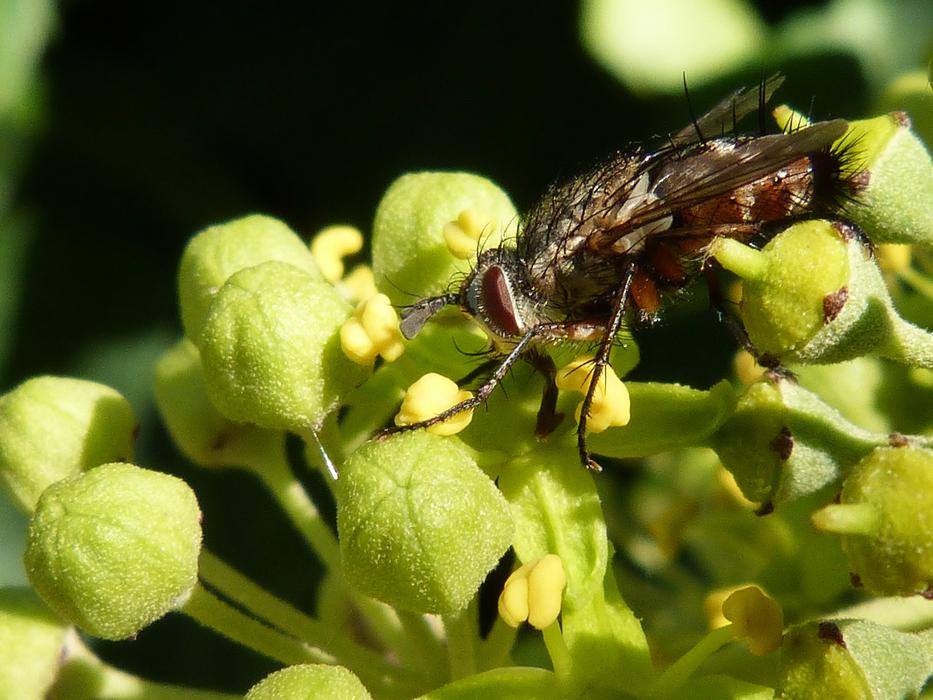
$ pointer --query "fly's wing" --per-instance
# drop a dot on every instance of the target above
(706, 172)
(722, 118)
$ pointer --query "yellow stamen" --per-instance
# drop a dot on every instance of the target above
(755, 617)
(430, 396)
(746, 368)
(360, 283)
(610, 406)
(463, 235)
(893, 257)
(331, 245)
(534, 592)
(371, 331)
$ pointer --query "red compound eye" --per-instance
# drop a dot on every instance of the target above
(497, 300)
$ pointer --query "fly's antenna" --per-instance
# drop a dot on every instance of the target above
(693, 117)
(414, 317)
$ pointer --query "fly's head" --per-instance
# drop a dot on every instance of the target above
(496, 294)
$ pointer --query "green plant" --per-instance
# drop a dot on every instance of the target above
(274, 346)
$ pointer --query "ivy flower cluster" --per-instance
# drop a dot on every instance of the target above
(280, 339)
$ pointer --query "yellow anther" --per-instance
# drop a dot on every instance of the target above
(755, 617)
(371, 331)
(712, 605)
(331, 245)
(746, 368)
(893, 257)
(731, 488)
(462, 236)
(360, 283)
(789, 119)
(430, 396)
(534, 592)
(611, 405)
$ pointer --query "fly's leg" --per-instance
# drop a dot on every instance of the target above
(601, 360)
(548, 417)
(481, 394)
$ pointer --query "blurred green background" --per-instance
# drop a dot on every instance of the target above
(127, 127)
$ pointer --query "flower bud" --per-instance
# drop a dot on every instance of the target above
(896, 206)
(200, 431)
(883, 517)
(213, 255)
(814, 294)
(31, 643)
(854, 659)
(409, 246)
(115, 548)
(420, 524)
(782, 442)
(54, 427)
(270, 349)
(309, 682)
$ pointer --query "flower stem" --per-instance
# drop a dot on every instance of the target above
(678, 673)
(557, 650)
(461, 647)
(83, 676)
(372, 668)
(277, 476)
(495, 649)
(212, 612)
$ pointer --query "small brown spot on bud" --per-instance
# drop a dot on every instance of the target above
(901, 118)
(833, 303)
(767, 508)
(855, 580)
(898, 440)
(783, 443)
(830, 632)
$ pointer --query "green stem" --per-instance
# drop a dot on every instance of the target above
(921, 284)
(217, 615)
(908, 343)
(557, 650)
(422, 644)
(678, 673)
(372, 668)
(461, 649)
(495, 650)
(277, 476)
(83, 676)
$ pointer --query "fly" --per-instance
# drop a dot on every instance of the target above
(620, 236)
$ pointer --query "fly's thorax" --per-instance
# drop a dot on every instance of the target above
(498, 296)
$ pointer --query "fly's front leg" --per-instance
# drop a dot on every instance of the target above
(481, 394)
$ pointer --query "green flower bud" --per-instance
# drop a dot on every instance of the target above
(514, 682)
(271, 351)
(309, 682)
(115, 548)
(854, 659)
(409, 246)
(420, 524)
(783, 442)
(201, 432)
(814, 294)
(216, 253)
(31, 642)
(883, 517)
(54, 427)
(897, 204)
